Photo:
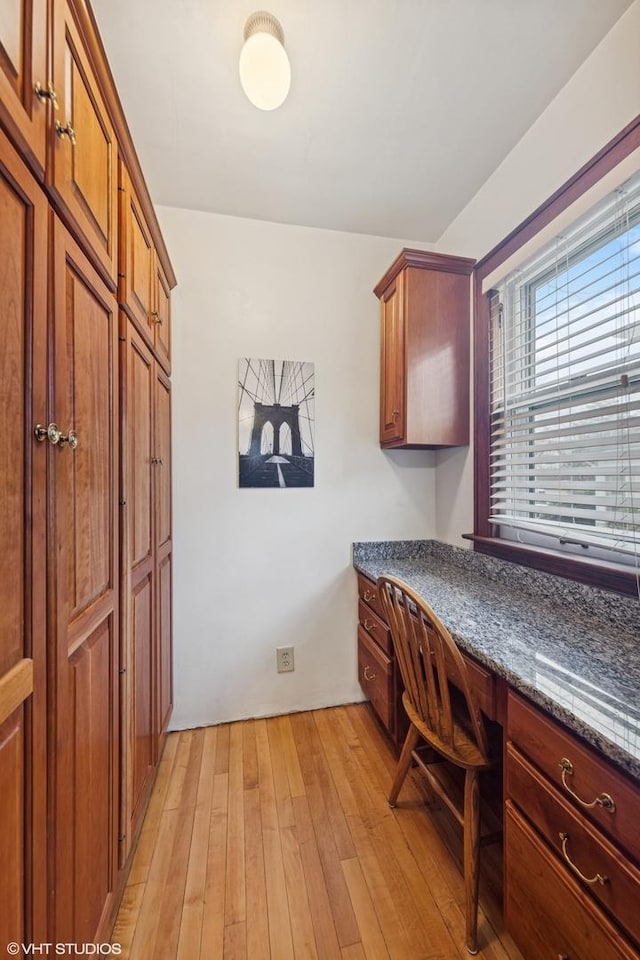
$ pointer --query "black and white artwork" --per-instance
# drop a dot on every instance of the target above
(276, 401)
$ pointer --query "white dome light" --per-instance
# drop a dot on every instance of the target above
(265, 72)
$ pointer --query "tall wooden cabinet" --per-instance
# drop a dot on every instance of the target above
(23, 283)
(424, 350)
(85, 486)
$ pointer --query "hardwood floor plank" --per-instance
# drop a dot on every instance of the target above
(257, 924)
(296, 782)
(212, 941)
(235, 899)
(125, 925)
(321, 914)
(193, 910)
(280, 937)
(235, 942)
(353, 952)
(373, 941)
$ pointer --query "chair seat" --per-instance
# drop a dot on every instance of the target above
(464, 751)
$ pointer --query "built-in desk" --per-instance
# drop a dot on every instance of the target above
(565, 660)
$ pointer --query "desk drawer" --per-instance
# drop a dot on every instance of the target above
(375, 627)
(483, 686)
(368, 592)
(375, 674)
(549, 745)
(584, 849)
(547, 913)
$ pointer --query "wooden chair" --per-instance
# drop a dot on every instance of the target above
(442, 712)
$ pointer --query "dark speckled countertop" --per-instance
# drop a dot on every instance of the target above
(572, 649)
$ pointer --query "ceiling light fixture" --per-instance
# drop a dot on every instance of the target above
(265, 72)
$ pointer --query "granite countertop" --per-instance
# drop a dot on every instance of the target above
(572, 649)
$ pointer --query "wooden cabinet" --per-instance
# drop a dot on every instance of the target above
(82, 172)
(84, 593)
(378, 673)
(424, 350)
(72, 717)
(146, 544)
(143, 288)
(23, 283)
(23, 67)
(572, 847)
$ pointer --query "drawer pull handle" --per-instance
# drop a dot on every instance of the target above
(602, 800)
(369, 626)
(368, 596)
(599, 878)
(367, 673)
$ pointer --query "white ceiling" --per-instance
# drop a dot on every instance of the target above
(398, 112)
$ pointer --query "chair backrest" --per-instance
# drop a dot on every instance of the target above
(429, 661)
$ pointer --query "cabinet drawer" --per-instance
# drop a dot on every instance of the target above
(547, 913)
(375, 674)
(584, 849)
(375, 627)
(368, 592)
(548, 745)
(483, 686)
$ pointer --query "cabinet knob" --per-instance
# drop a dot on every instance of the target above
(395, 414)
(369, 626)
(368, 675)
(55, 436)
(67, 131)
(369, 596)
(46, 94)
(155, 318)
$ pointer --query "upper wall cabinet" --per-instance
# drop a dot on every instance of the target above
(424, 350)
(23, 71)
(143, 288)
(83, 172)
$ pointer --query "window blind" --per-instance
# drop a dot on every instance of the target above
(565, 385)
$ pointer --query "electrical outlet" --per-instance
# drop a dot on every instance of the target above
(284, 659)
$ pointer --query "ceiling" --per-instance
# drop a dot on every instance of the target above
(398, 112)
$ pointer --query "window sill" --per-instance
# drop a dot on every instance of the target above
(607, 576)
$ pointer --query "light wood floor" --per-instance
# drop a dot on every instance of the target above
(272, 840)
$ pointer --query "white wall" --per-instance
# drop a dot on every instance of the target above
(601, 98)
(257, 569)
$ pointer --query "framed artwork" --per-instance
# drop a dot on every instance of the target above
(276, 403)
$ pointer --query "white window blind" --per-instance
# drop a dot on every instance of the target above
(565, 387)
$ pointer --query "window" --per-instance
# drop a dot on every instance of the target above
(565, 388)
(558, 449)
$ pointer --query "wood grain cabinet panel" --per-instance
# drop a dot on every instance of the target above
(23, 304)
(162, 317)
(375, 674)
(546, 912)
(424, 370)
(85, 594)
(23, 64)
(137, 266)
(82, 172)
(145, 572)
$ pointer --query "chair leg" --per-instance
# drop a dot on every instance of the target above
(471, 857)
(403, 764)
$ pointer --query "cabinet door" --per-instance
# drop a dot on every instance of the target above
(23, 284)
(164, 675)
(23, 64)
(83, 174)
(84, 597)
(392, 364)
(136, 280)
(162, 317)
(137, 613)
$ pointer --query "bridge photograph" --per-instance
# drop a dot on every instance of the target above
(276, 403)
